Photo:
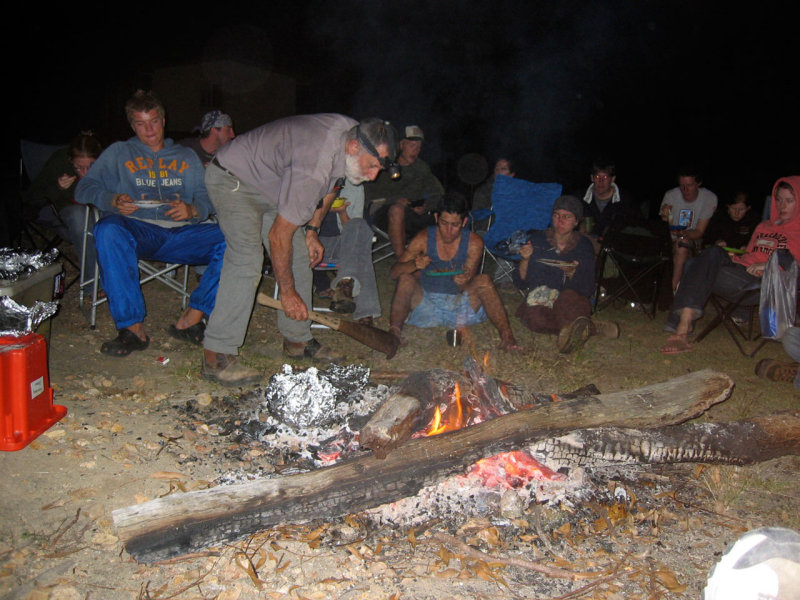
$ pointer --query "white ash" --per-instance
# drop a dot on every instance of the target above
(465, 496)
(309, 412)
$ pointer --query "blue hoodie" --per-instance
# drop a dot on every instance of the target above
(132, 168)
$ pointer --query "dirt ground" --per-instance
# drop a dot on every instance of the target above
(137, 430)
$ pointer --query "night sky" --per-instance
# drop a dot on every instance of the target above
(553, 84)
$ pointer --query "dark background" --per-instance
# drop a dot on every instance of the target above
(552, 84)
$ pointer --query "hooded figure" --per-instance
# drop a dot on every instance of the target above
(780, 231)
(714, 271)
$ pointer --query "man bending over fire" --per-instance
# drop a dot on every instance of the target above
(438, 283)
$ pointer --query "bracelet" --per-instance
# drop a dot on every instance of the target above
(313, 228)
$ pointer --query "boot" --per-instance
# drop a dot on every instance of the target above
(312, 350)
(574, 335)
(227, 370)
(607, 329)
(343, 297)
(774, 370)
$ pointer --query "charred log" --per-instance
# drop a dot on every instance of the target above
(735, 442)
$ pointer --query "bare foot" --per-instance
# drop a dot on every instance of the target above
(509, 344)
(676, 344)
(191, 316)
(397, 332)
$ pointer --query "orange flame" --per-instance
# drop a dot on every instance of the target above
(441, 424)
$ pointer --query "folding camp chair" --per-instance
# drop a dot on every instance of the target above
(746, 301)
(165, 273)
(632, 264)
(40, 236)
(382, 247)
(517, 205)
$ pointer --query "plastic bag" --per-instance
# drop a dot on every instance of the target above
(778, 301)
(513, 243)
(541, 296)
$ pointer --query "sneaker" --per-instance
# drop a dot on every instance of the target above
(227, 370)
(774, 370)
(343, 297)
(574, 335)
(312, 350)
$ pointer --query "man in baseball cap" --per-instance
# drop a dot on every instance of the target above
(404, 206)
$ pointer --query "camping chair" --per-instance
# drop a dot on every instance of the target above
(745, 301)
(166, 273)
(517, 205)
(382, 247)
(632, 264)
(33, 156)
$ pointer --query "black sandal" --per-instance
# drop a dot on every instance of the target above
(125, 343)
(193, 334)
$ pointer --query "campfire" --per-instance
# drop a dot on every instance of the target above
(441, 444)
(317, 418)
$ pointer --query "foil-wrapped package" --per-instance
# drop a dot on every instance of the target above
(309, 398)
(17, 320)
(16, 263)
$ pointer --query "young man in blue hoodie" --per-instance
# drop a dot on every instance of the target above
(155, 192)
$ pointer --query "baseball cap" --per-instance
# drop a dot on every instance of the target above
(413, 132)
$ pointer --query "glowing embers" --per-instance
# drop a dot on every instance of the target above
(513, 470)
(510, 470)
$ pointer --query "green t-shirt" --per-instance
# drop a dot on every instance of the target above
(417, 182)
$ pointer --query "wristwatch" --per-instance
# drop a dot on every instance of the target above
(313, 228)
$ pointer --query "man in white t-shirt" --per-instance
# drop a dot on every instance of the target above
(687, 209)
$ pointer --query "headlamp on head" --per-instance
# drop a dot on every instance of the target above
(387, 162)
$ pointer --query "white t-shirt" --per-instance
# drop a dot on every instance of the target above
(688, 214)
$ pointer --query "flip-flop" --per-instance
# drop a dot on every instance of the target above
(193, 334)
(676, 345)
(125, 343)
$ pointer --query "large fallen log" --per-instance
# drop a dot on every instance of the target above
(182, 523)
(734, 442)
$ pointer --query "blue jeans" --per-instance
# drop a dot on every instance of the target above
(122, 241)
(712, 271)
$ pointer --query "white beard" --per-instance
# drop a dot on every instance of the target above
(352, 170)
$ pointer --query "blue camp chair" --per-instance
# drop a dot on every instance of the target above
(517, 205)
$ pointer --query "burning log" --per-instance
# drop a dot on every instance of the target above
(416, 401)
(182, 523)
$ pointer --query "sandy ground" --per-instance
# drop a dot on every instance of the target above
(137, 430)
